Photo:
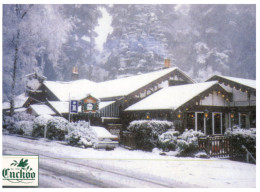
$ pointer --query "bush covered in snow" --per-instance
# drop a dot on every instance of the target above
(188, 142)
(39, 125)
(168, 141)
(240, 137)
(8, 122)
(23, 127)
(146, 132)
(57, 128)
(80, 134)
(13, 125)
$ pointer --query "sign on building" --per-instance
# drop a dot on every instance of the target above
(74, 106)
(90, 104)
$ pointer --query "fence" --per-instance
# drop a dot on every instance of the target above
(217, 146)
(221, 146)
(127, 140)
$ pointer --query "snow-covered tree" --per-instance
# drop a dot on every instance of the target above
(30, 33)
(139, 39)
(80, 49)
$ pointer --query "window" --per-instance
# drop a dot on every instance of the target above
(191, 120)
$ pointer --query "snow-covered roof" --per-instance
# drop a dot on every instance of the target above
(18, 102)
(60, 106)
(35, 74)
(74, 89)
(42, 110)
(22, 109)
(114, 88)
(171, 97)
(104, 104)
(63, 106)
(247, 82)
(125, 86)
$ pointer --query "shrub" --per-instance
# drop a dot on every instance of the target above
(188, 142)
(9, 122)
(240, 137)
(146, 132)
(168, 141)
(57, 128)
(80, 134)
(23, 127)
(39, 125)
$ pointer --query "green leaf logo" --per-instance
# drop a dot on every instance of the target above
(23, 163)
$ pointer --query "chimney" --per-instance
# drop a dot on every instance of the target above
(167, 63)
(75, 73)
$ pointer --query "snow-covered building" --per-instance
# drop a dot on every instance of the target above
(199, 106)
(167, 94)
(210, 107)
(114, 95)
(242, 104)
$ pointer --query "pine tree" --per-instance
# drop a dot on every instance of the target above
(80, 50)
(138, 42)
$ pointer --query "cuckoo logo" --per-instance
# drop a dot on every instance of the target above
(20, 171)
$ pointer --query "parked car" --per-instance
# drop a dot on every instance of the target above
(105, 139)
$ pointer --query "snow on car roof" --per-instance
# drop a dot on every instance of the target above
(112, 88)
(42, 109)
(171, 97)
(247, 82)
(101, 132)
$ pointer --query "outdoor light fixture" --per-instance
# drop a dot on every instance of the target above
(232, 114)
(206, 114)
(147, 115)
(179, 114)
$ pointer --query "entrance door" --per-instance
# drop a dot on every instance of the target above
(217, 123)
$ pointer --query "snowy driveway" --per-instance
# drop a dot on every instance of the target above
(168, 170)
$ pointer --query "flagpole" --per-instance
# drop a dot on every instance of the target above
(69, 106)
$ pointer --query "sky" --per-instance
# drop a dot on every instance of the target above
(103, 29)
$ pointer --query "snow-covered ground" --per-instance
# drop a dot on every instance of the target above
(201, 172)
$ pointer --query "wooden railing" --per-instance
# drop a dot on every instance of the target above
(217, 146)
(221, 146)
